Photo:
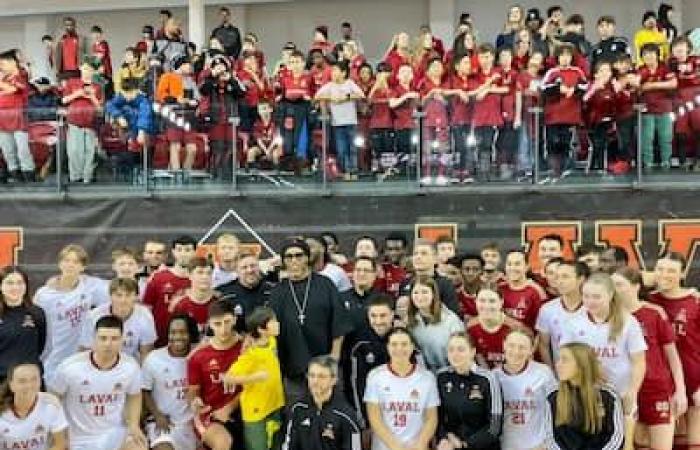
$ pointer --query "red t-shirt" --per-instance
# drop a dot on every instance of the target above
(688, 73)
(657, 333)
(381, 116)
(508, 101)
(355, 65)
(559, 109)
(81, 112)
(467, 303)
(435, 109)
(395, 60)
(198, 311)
(69, 52)
(160, 290)
(394, 276)
(253, 92)
(522, 304)
(624, 102)
(296, 88)
(657, 101)
(101, 50)
(461, 111)
(403, 114)
(12, 117)
(488, 345)
(265, 132)
(684, 314)
(206, 368)
(320, 76)
(600, 105)
(488, 112)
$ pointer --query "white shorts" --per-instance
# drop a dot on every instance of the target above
(180, 437)
(110, 439)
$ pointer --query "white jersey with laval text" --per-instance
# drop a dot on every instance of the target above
(553, 319)
(614, 356)
(139, 328)
(65, 314)
(94, 399)
(402, 401)
(34, 431)
(166, 377)
(524, 399)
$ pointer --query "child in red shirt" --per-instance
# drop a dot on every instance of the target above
(251, 78)
(381, 122)
(14, 139)
(436, 135)
(687, 69)
(626, 84)
(295, 106)
(600, 113)
(461, 110)
(83, 98)
(507, 142)
(266, 142)
(403, 101)
(527, 96)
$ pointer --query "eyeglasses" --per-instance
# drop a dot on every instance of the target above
(299, 255)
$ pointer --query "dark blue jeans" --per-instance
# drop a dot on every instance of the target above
(345, 147)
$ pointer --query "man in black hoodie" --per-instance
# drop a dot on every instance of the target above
(228, 34)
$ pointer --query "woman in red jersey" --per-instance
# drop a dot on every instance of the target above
(683, 309)
(662, 396)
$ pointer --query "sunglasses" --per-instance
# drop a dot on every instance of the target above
(299, 255)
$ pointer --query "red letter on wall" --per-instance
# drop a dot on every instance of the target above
(10, 244)
(680, 235)
(626, 234)
(531, 232)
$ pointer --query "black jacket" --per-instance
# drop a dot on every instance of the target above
(471, 407)
(366, 352)
(230, 39)
(570, 437)
(609, 50)
(333, 427)
(22, 336)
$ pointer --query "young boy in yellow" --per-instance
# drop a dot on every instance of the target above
(258, 371)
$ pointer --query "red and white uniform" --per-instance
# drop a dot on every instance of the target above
(94, 399)
(34, 431)
(402, 401)
(684, 314)
(65, 314)
(206, 368)
(559, 109)
(614, 356)
(522, 304)
(467, 303)
(393, 277)
(488, 345)
(196, 310)
(296, 88)
(139, 329)
(688, 74)
(162, 288)
(165, 376)
(524, 399)
(554, 318)
(657, 387)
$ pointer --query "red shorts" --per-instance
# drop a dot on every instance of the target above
(174, 135)
(654, 408)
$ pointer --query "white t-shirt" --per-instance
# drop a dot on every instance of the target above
(614, 356)
(94, 399)
(139, 329)
(33, 432)
(166, 377)
(220, 276)
(344, 113)
(98, 288)
(553, 319)
(338, 276)
(432, 338)
(524, 401)
(65, 314)
(402, 401)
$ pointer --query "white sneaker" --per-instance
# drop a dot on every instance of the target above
(426, 181)
(442, 180)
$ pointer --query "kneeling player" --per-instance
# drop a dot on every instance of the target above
(164, 386)
(266, 142)
(101, 393)
(215, 406)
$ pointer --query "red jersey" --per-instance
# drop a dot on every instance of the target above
(265, 132)
(488, 112)
(70, 53)
(467, 303)
(253, 92)
(461, 111)
(395, 60)
(160, 290)
(319, 76)
(488, 345)
(559, 109)
(684, 314)
(528, 86)
(381, 116)
(522, 304)
(198, 311)
(81, 111)
(435, 109)
(510, 78)
(520, 62)
(403, 114)
(393, 277)
(657, 101)
(355, 65)
(206, 368)
(625, 100)
(688, 72)
(296, 88)
(600, 105)
(101, 51)
(12, 104)
(657, 333)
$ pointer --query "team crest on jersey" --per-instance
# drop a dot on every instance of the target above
(118, 387)
(85, 382)
(370, 358)
(448, 387)
(328, 432)
(39, 429)
(475, 393)
(168, 287)
(528, 392)
(238, 310)
(6, 431)
(28, 321)
(663, 408)
(415, 394)
(306, 422)
(213, 364)
(387, 388)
